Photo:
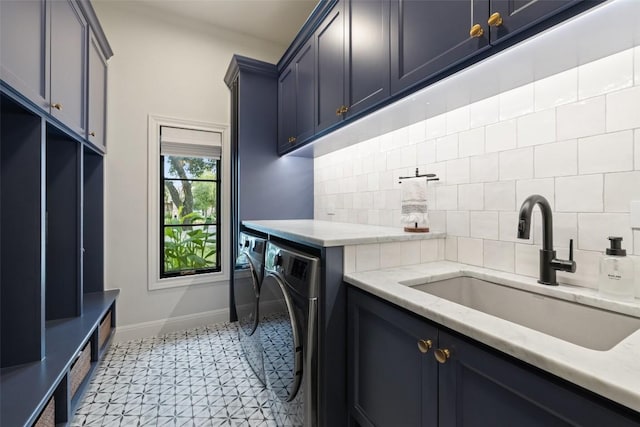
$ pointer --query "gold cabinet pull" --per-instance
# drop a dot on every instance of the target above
(424, 345)
(476, 31)
(342, 110)
(495, 20)
(92, 133)
(292, 139)
(442, 355)
(57, 106)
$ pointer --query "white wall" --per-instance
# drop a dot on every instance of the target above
(168, 67)
(573, 137)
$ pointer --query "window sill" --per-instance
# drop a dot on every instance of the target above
(198, 279)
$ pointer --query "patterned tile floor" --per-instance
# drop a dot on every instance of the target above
(194, 378)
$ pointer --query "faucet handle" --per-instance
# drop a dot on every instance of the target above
(570, 249)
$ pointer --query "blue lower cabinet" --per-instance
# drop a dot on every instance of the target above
(407, 371)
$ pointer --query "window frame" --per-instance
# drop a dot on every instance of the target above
(155, 206)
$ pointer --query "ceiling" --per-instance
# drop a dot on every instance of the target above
(277, 21)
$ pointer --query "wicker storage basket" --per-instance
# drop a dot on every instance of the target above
(105, 329)
(80, 368)
(48, 416)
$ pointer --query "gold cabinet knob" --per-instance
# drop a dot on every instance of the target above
(57, 106)
(476, 31)
(424, 345)
(292, 139)
(495, 20)
(339, 111)
(442, 355)
(92, 133)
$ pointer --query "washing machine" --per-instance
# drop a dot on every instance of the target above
(247, 279)
(288, 330)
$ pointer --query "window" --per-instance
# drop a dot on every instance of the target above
(187, 199)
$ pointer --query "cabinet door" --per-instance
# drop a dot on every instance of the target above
(368, 68)
(97, 104)
(518, 15)
(305, 96)
(23, 51)
(287, 108)
(481, 387)
(68, 59)
(428, 37)
(390, 381)
(330, 69)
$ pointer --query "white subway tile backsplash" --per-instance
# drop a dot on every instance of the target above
(447, 147)
(484, 225)
(499, 255)
(458, 223)
(430, 250)
(537, 128)
(606, 74)
(573, 137)
(620, 189)
(437, 220)
(418, 132)
(579, 193)
(516, 164)
(457, 120)
(500, 196)
(583, 118)
(527, 260)
(484, 168)
(470, 251)
(636, 149)
(471, 197)
(458, 171)
(367, 257)
(611, 152)
(544, 187)
(451, 248)
(559, 89)
(436, 126)
(426, 152)
(471, 142)
(349, 259)
(594, 228)
(500, 136)
(557, 159)
(623, 109)
(447, 197)
(516, 102)
(484, 112)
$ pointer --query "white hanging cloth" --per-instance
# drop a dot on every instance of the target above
(414, 202)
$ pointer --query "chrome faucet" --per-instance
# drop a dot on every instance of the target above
(548, 261)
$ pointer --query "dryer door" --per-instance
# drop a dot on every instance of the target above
(281, 339)
(246, 289)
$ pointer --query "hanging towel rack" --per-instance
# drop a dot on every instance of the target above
(429, 176)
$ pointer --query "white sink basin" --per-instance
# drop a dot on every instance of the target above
(579, 324)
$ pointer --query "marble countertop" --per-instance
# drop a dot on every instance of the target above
(613, 373)
(328, 233)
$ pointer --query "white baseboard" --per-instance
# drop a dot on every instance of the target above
(173, 324)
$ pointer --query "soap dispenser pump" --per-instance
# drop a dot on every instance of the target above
(616, 272)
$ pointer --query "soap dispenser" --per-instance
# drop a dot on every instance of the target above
(616, 272)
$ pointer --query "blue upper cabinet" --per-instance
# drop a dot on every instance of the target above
(427, 37)
(97, 100)
(330, 65)
(68, 65)
(367, 53)
(509, 17)
(24, 64)
(296, 99)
